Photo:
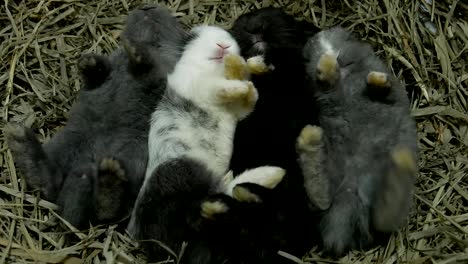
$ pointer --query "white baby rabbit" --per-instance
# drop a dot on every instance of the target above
(190, 142)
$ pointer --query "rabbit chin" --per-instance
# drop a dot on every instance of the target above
(260, 47)
(202, 61)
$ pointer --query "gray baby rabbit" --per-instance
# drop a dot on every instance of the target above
(359, 166)
(94, 166)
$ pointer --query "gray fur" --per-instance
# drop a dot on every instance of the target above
(311, 153)
(360, 135)
(109, 120)
(104, 122)
(153, 40)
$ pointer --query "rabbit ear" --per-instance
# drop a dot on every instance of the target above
(31, 159)
(94, 69)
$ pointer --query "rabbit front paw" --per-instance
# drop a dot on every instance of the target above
(235, 91)
(257, 65)
(239, 96)
(378, 84)
(328, 69)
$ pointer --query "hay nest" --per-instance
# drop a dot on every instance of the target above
(424, 43)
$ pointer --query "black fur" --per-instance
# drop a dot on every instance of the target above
(259, 230)
(169, 212)
(110, 121)
(267, 136)
(359, 135)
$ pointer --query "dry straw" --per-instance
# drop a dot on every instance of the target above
(41, 40)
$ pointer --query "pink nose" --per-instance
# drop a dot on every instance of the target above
(223, 46)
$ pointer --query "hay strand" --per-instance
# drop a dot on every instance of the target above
(423, 41)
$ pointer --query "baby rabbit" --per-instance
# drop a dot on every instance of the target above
(360, 164)
(73, 167)
(268, 135)
(94, 166)
(190, 144)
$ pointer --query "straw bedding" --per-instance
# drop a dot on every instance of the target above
(428, 50)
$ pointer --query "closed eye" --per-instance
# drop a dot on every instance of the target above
(347, 64)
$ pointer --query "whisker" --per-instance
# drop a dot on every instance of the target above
(284, 30)
(171, 51)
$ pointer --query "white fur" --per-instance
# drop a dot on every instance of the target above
(256, 60)
(198, 78)
(327, 46)
(217, 162)
(228, 177)
(330, 50)
(266, 176)
(195, 75)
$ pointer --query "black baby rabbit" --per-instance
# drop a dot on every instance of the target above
(268, 135)
(94, 166)
(265, 136)
(360, 164)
